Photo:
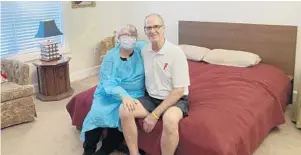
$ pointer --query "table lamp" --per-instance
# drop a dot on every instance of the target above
(49, 49)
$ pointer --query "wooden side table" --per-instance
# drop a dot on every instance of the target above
(53, 79)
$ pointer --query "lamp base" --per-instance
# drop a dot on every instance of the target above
(49, 51)
(45, 58)
(42, 58)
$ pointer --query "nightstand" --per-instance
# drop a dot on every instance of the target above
(53, 79)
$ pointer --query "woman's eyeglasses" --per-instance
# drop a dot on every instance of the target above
(155, 27)
(128, 35)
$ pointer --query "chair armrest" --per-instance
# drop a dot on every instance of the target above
(16, 71)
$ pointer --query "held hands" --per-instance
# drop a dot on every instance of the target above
(129, 103)
(149, 122)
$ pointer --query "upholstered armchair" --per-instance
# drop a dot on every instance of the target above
(17, 105)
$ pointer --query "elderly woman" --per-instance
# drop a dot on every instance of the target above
(121, 81)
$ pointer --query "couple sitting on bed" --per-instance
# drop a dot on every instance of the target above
(126, 72)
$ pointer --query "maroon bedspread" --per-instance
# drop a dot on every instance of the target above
(231, 110)
(79, 106)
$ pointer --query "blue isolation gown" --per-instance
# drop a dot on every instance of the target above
(116, 78)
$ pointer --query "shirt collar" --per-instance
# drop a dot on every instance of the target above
(125, 59)
(162, 48)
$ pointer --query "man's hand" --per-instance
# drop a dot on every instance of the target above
(149, 123)
(129, 103)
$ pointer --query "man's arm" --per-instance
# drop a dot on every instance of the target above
(180, 80)
(171, 100)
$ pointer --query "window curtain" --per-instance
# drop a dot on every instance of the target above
(20, 22)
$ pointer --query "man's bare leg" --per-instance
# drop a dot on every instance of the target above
(170, 134)
(129, 126)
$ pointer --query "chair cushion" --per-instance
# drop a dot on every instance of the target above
(17, 111)
(12, 91)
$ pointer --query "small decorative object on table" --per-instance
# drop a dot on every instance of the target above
(49, 49)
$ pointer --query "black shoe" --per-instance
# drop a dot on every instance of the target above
(123, 148)
(141, 152)
(100, 152)
(89, 152)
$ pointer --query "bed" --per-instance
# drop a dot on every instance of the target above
(231, 109)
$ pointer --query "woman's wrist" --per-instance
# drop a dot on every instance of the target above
(122, 96)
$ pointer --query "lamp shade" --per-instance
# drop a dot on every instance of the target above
(47, 28)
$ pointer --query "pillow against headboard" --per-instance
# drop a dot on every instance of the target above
(232, 58)
(194, 53)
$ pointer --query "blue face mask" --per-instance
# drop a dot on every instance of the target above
(127, 43)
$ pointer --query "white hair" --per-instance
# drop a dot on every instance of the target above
(127, 28)
(157, 15)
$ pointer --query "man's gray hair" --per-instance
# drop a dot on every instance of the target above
(127, 28)
(157, 15)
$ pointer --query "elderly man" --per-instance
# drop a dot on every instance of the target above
(121, 80)
(167, 81)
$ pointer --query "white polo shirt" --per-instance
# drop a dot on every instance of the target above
(165, 70)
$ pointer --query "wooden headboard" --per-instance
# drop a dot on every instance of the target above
(275, 44)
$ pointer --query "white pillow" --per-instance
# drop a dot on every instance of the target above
(194, 53)
(232, 58)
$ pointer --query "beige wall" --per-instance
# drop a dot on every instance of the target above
(84, 28)
(283, 13)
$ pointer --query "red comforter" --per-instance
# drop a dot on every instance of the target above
(79, 106)
(231, 110)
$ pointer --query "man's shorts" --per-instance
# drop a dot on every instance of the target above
(150, 103)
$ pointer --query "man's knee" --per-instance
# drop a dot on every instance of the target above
(125, 114)
(171, 119)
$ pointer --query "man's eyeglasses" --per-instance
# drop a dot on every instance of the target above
(155, 27)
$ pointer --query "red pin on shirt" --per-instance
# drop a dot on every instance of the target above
(165, 65)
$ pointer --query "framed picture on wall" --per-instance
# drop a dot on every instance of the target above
(83, 4)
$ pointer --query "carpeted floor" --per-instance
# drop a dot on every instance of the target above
(52, 133)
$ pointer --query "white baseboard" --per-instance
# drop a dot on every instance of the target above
(76, 76)
(294, 96)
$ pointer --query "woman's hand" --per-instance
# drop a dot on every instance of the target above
(129, 103)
